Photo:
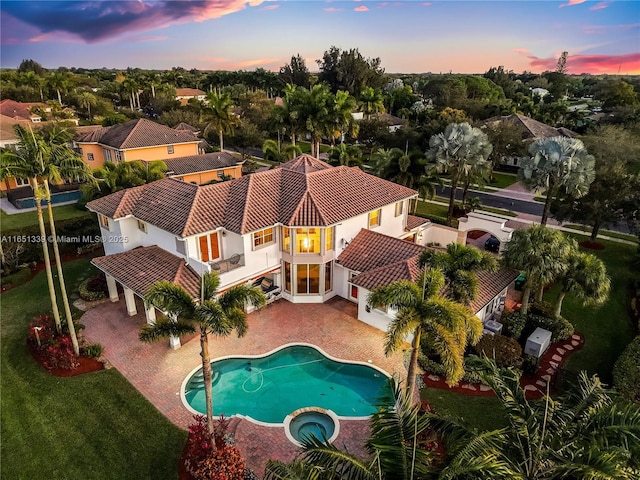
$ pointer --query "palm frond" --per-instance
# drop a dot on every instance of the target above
(165, 328)
(338, 464)
(295, 470)
(171, 298)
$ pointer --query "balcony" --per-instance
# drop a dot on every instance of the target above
(227, 265)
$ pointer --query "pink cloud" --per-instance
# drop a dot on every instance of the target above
(571, 3)
(594, 64)
(270, 7)
(520, 50)
(599, 6)
(333, 9)
(363, 8)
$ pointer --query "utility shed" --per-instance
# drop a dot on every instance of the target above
(538, 342)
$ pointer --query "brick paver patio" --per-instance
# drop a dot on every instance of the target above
(157, 371)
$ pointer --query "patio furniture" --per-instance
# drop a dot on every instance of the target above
(234, 259)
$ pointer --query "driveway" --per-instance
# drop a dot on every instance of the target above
(157, 371)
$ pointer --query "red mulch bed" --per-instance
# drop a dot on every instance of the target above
(87, 365)
(588, 244)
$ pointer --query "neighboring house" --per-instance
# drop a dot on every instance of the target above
(140, 139)
(539, 92)
(183, 95)
(22, 112)
(304, 231)
(531, 130)
(394, 123)
(206, 168)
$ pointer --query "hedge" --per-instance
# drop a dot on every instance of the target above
(626, 371)
(505, 351)
(519, 326)
(72, 234)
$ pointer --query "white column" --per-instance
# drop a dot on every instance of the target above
(113, 288)
(150, 312)
(174, 342)
(130, 298)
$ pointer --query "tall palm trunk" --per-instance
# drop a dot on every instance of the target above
(465, 191)
(45, 252)
(63, 288)
(413, 363)
(153, 90)
(452, 197)
(547, 205)
(206, 377)
(526, 293)
(595, 228)
(221, 140)
(59, 96)
(558, 310)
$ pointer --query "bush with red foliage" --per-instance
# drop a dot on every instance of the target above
(214, 458)
(56, 350)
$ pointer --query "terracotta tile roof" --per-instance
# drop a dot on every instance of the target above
(310, 193)
(137, 134)
(188, 92)
(532, 129)
(371, 250)
(415, 222)
(187, 127)
(141, 267)
(200, 163)
(491, 284)
(382, 276)
(20, 110)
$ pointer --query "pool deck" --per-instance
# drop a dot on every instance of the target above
(158, 372)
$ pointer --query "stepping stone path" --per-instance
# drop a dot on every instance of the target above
(469, 386)
(568, 347)
(530, 388)
(485, 388)
(575, 343)
(433, 378)
(560, 351)
(557, 358)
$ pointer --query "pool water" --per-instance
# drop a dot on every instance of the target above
(311, 424)
(269, 388)
(61, 197)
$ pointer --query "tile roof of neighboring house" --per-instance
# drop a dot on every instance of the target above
(138, 133)
(188, 92)
(141, 267)
(187, 127)
(532, 129)
(19, 110)
(303, 192)
(491, 284)
(7, 133)
(415, 222)
(370, 250)
(389, 119)
(200, 163)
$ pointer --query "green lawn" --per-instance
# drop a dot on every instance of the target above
(8, 222)
(607, 329)
(306, 147)
(93, 426)
(503, 180)
(608, 233)
(429, 210)
(483, 413)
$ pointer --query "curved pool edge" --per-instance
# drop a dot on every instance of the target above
(185, 403)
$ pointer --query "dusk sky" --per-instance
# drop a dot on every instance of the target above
(409, 36)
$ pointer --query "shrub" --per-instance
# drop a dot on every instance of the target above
(93, 351)
(514, 324)
(560, 328)
(56, 350)
(506, 351)
(214, 458)
(94, 288)
(529, 365)
(432, 366)
(626, 371)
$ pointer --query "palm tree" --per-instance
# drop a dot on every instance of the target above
(219, 115)
(87, 100)
(586, 278)
(582, 434)
(458, 150)
(371, 102)
(459, 264)
(271, 150)
(447, 325)
(59, 82)
(539, 252)
(33, 80)
(558, 163)
(396, 448)
(213, 313)
(131, 86)
(316, 113)
(43, 160)
(344, 106)
(350, 156)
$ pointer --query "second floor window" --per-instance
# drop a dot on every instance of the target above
(399, 208)
(169, 148)
(90, 157)
(142, 226)
(374, 218)
(262, 237)
(104, 221)
(118, 156)
(107, 154)
(21, 182)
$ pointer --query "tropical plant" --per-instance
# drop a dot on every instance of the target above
(581, 434)
(555, 164)
(459, 150)
(448, 326)
(213, 313)
(87, 100)
(112, 177)
(398, 448)
(59, 82)
(218, 115)
(347, 155)
(317, 114)
(459, 264)
(43, 160)
(371, 102)
(539, 252)
(586, 278)
(343, 120)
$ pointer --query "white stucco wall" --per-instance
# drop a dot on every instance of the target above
(439, 234)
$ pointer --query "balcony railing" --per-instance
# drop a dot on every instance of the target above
(228, 264)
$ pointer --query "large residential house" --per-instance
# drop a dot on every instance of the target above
(183, 95)
(304, 232)
(140, 139)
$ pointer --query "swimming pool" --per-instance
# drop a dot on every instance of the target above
(270, 387)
